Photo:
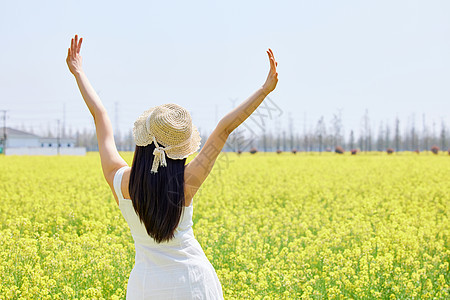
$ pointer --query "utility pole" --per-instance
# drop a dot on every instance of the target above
(58, 139)
(305, 137)
(366, 131)
(4, 131)
(397, 134)
(424, 134)
(64, 121)
(291, 131)
(264, 138)
(278, 129)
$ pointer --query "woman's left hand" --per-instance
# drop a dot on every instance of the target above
(73, 56)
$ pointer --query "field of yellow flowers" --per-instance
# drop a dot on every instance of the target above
(370, 226)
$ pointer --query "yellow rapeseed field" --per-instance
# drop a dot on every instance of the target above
(285, 226)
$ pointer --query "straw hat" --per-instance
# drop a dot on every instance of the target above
(170, 127)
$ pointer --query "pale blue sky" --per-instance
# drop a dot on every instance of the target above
(391, 57)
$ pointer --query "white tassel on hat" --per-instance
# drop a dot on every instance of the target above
(159, 154)
(159, 157)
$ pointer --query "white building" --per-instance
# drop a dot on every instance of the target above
(17, 138)
(53, 142)
(19, 142)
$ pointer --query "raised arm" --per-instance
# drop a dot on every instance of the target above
(239, 114)
(110, 158)
(199, 168)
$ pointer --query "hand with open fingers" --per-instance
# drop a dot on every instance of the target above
(272, 78)
(73, 56)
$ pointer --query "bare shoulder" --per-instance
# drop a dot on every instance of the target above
(125, 182)
(125, 178)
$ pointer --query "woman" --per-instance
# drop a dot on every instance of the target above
(156, 194)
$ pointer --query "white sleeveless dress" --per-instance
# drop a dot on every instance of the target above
(178, 269)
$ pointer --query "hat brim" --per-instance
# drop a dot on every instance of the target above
(141, 138)
(140, 133)
(188, 149)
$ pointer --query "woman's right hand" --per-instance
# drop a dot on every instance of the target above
(272, 78)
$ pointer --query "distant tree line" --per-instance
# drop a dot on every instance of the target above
(318, 138)
(323, 138)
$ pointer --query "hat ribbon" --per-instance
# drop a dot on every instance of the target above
(159, 154)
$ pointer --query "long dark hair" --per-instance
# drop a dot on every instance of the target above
(158, 198)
